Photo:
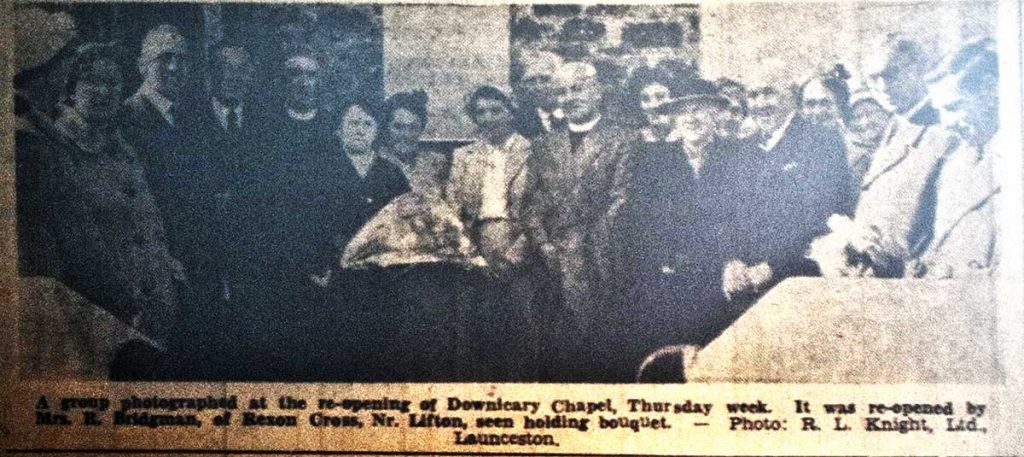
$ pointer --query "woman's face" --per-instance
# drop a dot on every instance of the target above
(97, 95)
(405, 127)
(867, 122)
(491, 115)
(819, 105)
(652, 96)
(358, 129)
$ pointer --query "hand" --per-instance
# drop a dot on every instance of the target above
(516, 253)
(837, 256)
(549, 254)
(735, 279)
(759, 275)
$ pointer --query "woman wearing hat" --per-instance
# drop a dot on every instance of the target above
(683, 222)
(108, 236)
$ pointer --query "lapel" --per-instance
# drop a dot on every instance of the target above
(594, 147)
(965, 185)
(150, 115)
(515, 163)
(902, 139)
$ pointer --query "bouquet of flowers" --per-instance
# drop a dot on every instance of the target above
(414, 228)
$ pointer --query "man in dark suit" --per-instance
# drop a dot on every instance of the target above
(574, 189)
(295, 134)
(155, 120)
(537, 90)
(222, 141)
(806, 179)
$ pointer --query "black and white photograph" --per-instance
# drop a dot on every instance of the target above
(766, 192)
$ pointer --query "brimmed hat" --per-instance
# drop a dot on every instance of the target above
(692, 92)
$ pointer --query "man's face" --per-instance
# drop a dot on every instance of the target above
(867, 122)
(582, 98)
(768, 109)
(899, 82)
(697, 122)
(358, 130)
(405, 127)
(819, 105)
(973, 115)
(492, 115)
(303, 83)
(97, 96)
(541, 91)
(167, 73)
(236, 75)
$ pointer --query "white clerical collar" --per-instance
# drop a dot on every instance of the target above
(777, 135)
(303, 116)
(161, 103)
(585, 127)
(222, 112)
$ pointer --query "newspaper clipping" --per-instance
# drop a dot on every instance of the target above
(711, 228)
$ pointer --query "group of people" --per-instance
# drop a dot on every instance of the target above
(613, 221)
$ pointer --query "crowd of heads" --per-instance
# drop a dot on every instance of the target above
(669, 100)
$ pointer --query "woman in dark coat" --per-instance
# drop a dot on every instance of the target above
(107, 234)
(679, 227)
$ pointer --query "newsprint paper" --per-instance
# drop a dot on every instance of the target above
(710, 228)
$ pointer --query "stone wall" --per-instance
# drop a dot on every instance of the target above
(623, 36)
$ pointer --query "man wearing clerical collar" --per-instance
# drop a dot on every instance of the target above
(576, 186)
(302, 85)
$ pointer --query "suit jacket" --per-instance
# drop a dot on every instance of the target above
(529, 123)
(106, 233)
(807, 179)
(896, 185)
(577, 193)
(572, 198)
(175, 170)
(466, 179)
(156, 141)
(965, 233)
(219, 163)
